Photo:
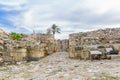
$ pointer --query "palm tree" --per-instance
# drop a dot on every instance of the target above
(54, 29)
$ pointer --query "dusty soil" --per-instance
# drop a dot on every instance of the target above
(58, 66)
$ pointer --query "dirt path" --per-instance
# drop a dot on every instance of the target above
(58, 66)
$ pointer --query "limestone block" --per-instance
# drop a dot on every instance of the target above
(1, 41)
(116, 47)
(7, 58)
(71, 55)
(36, 53)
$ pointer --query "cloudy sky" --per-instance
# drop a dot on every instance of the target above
(71, 16)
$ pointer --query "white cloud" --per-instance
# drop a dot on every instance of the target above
(39, 14)
(12, 2)
(102, 6)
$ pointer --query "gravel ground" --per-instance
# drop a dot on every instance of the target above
(58, 66)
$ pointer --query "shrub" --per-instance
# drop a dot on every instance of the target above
(15, 36)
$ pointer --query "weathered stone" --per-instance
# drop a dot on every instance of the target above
(116, 47)
(62, 45)
(40, 45)
(36, 53)
(1, 60)
(43, 44)
(93, 38)
(18, 53)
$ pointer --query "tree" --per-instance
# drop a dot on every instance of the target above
(15, 36)
(54, 29)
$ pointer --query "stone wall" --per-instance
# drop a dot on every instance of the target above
(62, 45)
(74, 40)
(3, 37)
(30, 47)
(19, 53)
(41, 40)
(87, 41)
(80, 45)
(36, 46)
(36, 52)
(3, 34)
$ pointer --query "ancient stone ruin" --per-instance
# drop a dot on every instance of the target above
(32, 47)
(80, 44)
(29, 48)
